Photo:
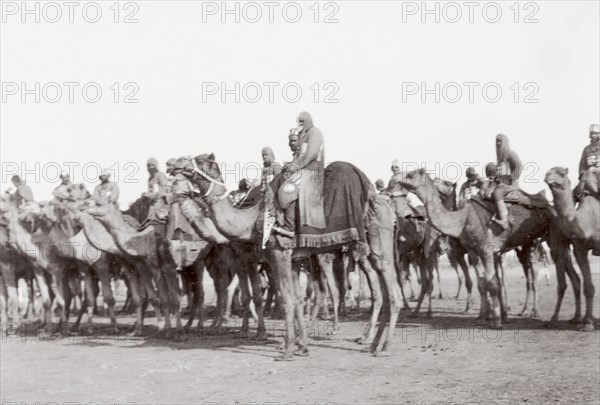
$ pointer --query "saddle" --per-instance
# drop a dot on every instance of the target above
(520, 197)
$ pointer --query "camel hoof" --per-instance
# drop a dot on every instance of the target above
(335, 329)
(429, 315)
(382, 353)
(575, 320)
(285, 357)
(551, 324)
(441, 296)
(301, 352)
(534, 314)
(187, 327)
(414, 315)
(363, 340)
(367, 349)
(586, 327)
(260, 336)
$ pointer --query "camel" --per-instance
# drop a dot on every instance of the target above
(581, 226)
(213, 252)
(240, 224)
(471, 226)
(22, 250)
(144, 245)
(56, 231)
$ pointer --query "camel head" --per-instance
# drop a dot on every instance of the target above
(97, 207)
(557, 178)
(78, 192)
(206, 175)
(417, 181)
(445, 187)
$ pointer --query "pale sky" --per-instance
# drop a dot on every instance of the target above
(368, 57)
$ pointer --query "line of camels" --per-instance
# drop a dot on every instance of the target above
(46, 241)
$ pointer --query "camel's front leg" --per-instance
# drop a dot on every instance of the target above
(581, 255)
(376, 297)
(281, 262)
(257, 300)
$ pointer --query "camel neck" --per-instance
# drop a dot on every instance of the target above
(234, 223)
(447, 222)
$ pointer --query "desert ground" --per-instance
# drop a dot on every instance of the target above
(450, 358)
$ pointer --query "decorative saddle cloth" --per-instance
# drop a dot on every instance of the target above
(346, 193)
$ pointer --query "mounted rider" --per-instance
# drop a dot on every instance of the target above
(470, 188)
(404, 203)
(270, 167)
(157, 182)
(22, 193)
(304, 178)
(508, 171)
(107, 189)
(61, 192)
(589, 164)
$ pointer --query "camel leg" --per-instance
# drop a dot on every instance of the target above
(362, 287)
(381, 257)
(468, 282)
(403, 271)
(521, 256)
(245, 298)
(281, 262)
(422, 266)
(45, 293)
(381, 242)
(376, 297)
(581, 256)
(257, 300)
(58, 288)
(137, 298)
(231, 289)
(340, 276)
(87, 304)
(326, 265)
(102, 267)
(439, 280)
(199, 293)
(560, 254)
(3, 301)
(12, 296)
(319, 289)
(350, 266)
(493, 287)
(188, 280)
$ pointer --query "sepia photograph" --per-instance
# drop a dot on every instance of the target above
(303, 202)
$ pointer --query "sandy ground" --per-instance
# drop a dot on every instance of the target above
(447, 359)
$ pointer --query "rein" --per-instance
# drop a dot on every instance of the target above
(209, 178)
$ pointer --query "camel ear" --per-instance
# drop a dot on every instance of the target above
(211, 157)
(563, 171)
(422, 171)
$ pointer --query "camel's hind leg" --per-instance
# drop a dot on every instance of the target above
(326, 264)
(524, 256)
(102, 268)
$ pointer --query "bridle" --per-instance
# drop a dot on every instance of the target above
(212, 181)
